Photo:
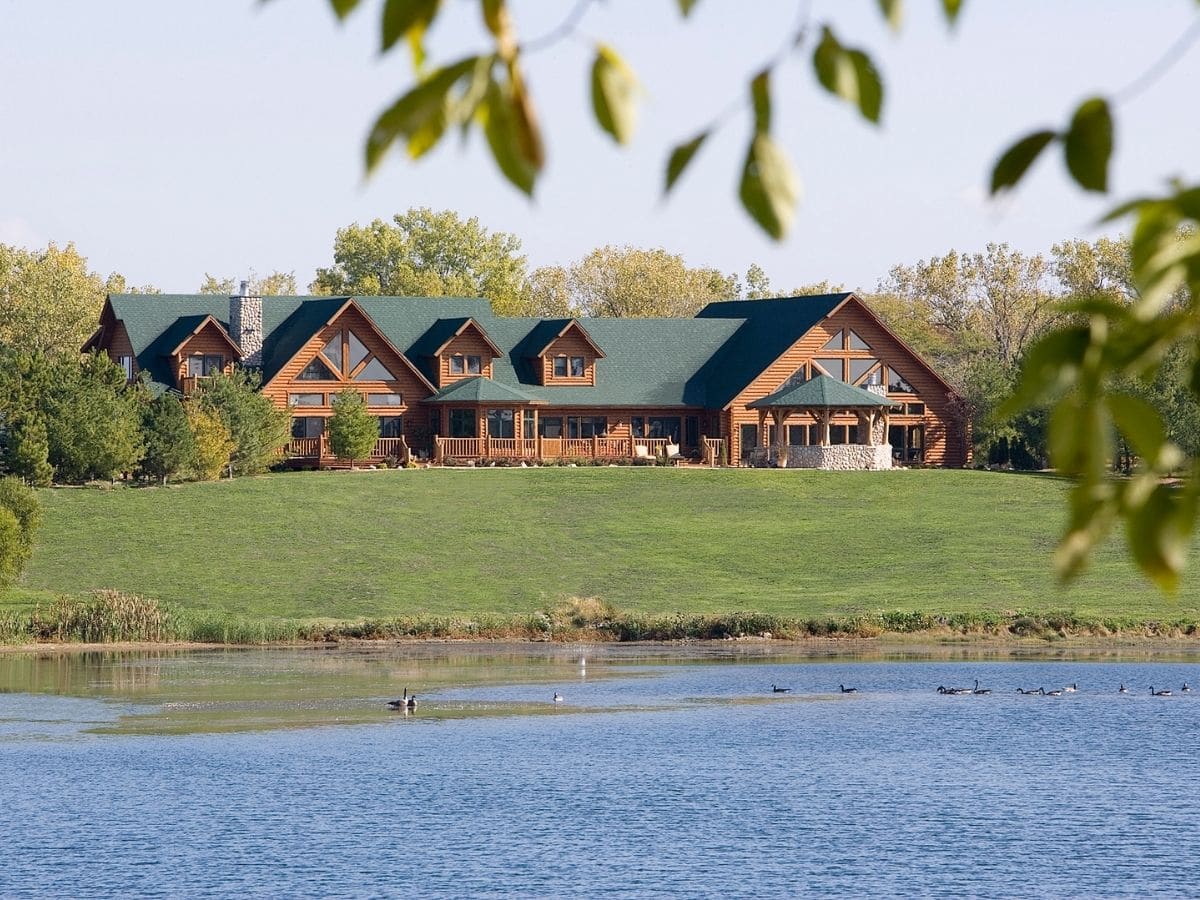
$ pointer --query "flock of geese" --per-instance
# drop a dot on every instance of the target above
(1040, 692)
(408, 702)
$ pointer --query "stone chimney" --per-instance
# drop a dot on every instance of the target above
(245, 325)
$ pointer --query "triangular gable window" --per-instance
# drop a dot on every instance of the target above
(316, 371)
(831, 367)
(857, 343)
(799, 377)
(357, 352)
(333, 351)
(375, 371)
(897, 384)
(834, 343)
(865, 370)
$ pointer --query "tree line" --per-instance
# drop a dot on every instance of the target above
(973, 315)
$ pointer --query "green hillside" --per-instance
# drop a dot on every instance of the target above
(347, 545)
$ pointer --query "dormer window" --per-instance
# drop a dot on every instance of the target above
(570, 367)
(461, 364)
(202, 365)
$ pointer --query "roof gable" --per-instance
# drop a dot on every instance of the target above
(768, 329)
(571, 325)
(209, 321)
(345, 306)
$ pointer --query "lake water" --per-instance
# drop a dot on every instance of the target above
(663, 772)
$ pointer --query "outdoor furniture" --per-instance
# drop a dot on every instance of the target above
(673, 454)
(641, 451)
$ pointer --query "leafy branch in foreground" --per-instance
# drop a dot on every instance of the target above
(488, 91)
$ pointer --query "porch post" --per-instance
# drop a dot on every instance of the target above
(779, 416)
(762, 428)
(826, 418)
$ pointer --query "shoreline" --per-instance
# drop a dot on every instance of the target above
(899, 643)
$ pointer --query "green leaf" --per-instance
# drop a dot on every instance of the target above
(409, 18)
(680, 157)
(614, 94)
(1088, 144)
(848, 74)
(685, 6)
(1156, 539)
(420, 116)
(1140, 423)
(760, 98)
(769, 189)
(893, 11)
(1016, 160)
(500, 114)
(951, 9)
(343, 8)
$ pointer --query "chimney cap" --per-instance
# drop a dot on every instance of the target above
(244, 290)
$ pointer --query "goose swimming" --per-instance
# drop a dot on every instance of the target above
(1154, 693)
(848, 690)
(1122, 689)
(979, 690)
(558, 698)
(776, 689)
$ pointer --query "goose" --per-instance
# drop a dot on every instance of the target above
(1122, 689)
(776, 689)
(558, 698)
(1057, 692)
(1023, 691)
(1154, 693)
(1071, 688)
(402, 703)
(979, 690)
(1185, 689)
(848, 690)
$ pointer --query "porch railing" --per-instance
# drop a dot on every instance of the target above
(556, 448)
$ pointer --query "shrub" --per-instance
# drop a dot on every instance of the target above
(20, 517)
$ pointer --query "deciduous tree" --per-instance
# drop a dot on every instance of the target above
(629, 281)
(213, 445)
(49, 300)
(424, 253)
(272, 285)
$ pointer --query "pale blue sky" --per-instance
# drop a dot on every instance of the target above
(168, 139)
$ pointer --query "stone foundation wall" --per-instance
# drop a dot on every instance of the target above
(836, 457)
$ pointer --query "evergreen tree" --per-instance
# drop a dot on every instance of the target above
(28, 452)
(93, 420)
(352, 430)
(211, 442)
(170, 445)
(259, 429)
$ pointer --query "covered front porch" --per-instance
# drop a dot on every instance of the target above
(820, 400)
(314, 451)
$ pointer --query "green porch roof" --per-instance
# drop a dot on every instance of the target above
(821, 392)
(478, 389)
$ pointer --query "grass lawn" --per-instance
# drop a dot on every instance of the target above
(455, 541)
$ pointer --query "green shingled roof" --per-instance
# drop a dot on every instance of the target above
(822, 391)
(478, 389)
(700, 362)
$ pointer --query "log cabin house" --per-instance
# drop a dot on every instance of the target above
(449, 380)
